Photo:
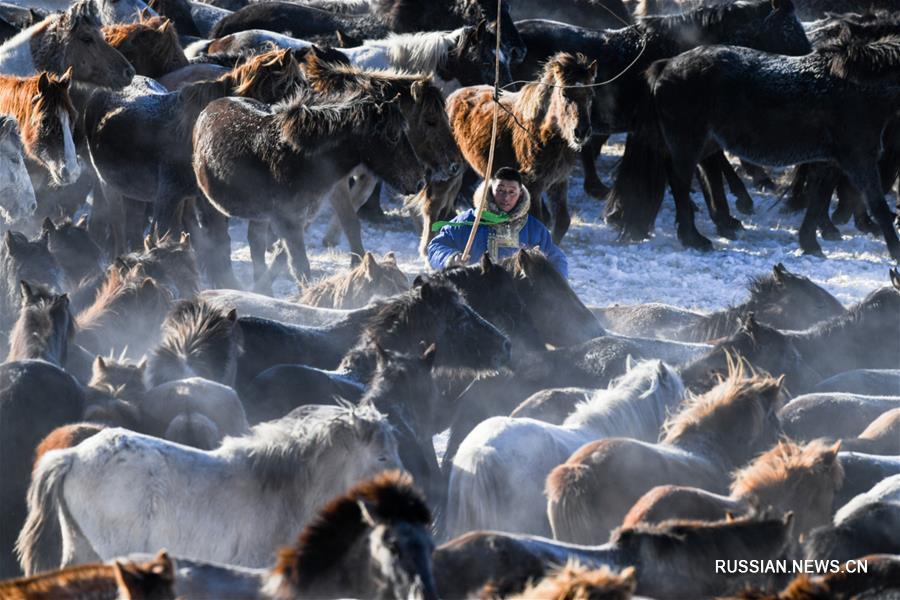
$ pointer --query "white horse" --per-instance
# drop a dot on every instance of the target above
(17, 200)
(497, 476)
(122, 492)
(110, 11)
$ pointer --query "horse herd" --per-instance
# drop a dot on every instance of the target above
(479, 431)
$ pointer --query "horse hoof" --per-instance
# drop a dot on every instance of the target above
(696, 241)
(817, 252)
(728, 232)
(832, 234)
(596, 189)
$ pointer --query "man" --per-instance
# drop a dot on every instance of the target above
(505, 227)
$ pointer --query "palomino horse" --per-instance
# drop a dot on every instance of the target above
(69, 39)
(693, 452)
(788, 478)
(155, 167)
(541, 128)
(18, 200)
(121, 580)
(257, 489)
(151, 45)
(515, 455)
(248, 157)
(46, 118)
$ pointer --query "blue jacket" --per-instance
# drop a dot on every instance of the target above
(451, 240)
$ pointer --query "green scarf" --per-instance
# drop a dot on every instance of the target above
(487, 218)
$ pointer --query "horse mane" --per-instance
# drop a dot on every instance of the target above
(346, 287)
(192, 325)
(54, 28)
(388, 497)
(282, 451)
(118, 288)
(153, 36)
(563, 68)
(782, 463)
(311, 123)
(423, 52)
(736, 388)
(406, 310)
(573, 581)
(864, 60)
(32, 331)
(871, 303)
(726, 14)
(17, 96)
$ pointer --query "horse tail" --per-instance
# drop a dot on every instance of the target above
(474, 494)
(640, 184)
(569, 505)
(194, 429)
(39, 545)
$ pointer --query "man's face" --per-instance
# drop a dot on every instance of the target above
(506, 194)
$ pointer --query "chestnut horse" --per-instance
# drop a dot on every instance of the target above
(541, 129)
(46, 118)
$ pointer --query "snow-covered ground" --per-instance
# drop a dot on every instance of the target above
(605, 272)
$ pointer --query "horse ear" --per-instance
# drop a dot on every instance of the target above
(43, 84)
(788, 519)
(417, 89)
(749, 324)
(66, 78)
(593, 69)
(729, 516)
(149, 244)
(629, 363)
(426, 292)
(120, 265)
(99, 365)
(232, 315)
(142, 366)
(486, 264)
(82, 223)
(785, 5)
(831, 454)
(185, 240)
(27, 292)
(522, 260)
(779, 271)
(419, 281)
(47, 226)
(61, 302)
(15, 241)
(370, 265)
(428, 355)
(895, 279)
(629, 576)
(390, 258)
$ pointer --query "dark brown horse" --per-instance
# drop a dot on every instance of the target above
(278, 163)
(46, 118)
(44, 328)
(151, 46)
(541, 128)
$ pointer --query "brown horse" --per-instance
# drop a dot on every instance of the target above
(63, 40)
(44, 328)
(279, 163)
(590, 493)
(66, 436)
(126, 313)
(151, 46)
(122, 580)
(788, 477)
(46, 118)
(541, 129)
(358, 286)
(882, 436)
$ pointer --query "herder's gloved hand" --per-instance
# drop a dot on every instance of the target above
(455, 260)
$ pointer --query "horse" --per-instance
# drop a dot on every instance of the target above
(121, 580)
(46, 117)
(431, 313)
(67, 39)
(275, 309)
(847, 70)
(44, 328)
(623, 54)
(421, 104)
(126, 313)
(861, 472)
(19, 200)
(869, 382)
(151, 46)
(692, 452)
(880, 437)
(288, 466)
(316, 139)
(24, 259)
(671, 560)
(515, 455)
(540, 129)
(35, 398)
(197, 340)
(358, 286)
(788, 478)
(77, 255)
(865, 530)
(833, 414)
(168, 260)
(151, 167)
(110, 12)
(461, 57)
(552, 405)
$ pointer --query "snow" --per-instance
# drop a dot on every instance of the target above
(604, 272)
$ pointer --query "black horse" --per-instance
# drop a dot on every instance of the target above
(774, 110)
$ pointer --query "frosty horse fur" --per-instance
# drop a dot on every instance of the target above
(497, 475)
(151, 45)
(256, 489)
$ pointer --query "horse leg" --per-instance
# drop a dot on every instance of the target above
(743, 200)
(558, 195)
(214, 246)
(719, 211)
(432, 202)
(371, 210)
(257, 239)
(850, 201)
(114, 217)
(346, 201)
(758, 176)
(593, 187)
(167, 206)
(135, 220)
(291, 230)
(866, 178)
(819, 189)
